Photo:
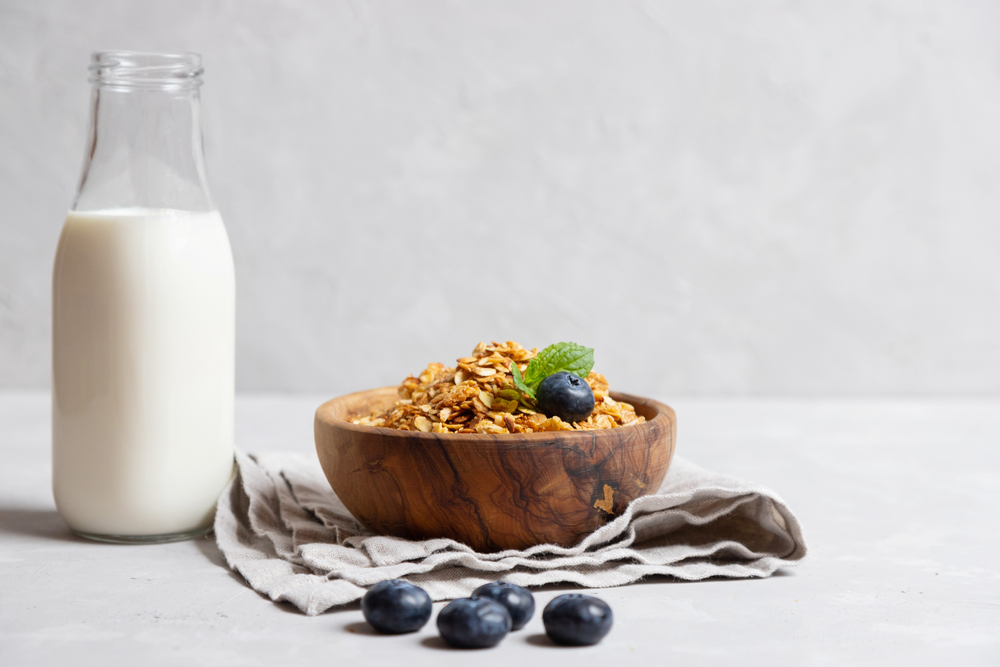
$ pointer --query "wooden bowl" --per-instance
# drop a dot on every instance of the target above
(491, 492)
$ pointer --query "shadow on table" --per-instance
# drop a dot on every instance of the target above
(35, 522)
(207, 546)
(534, 640)
(436, 642)
(542, 639)
(360, 628)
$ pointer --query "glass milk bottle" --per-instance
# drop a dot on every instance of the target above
(143, 315)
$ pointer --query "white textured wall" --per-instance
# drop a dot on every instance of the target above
(720, 197)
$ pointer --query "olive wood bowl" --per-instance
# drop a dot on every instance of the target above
(491, 492)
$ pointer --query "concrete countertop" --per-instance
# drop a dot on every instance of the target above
(899, 500)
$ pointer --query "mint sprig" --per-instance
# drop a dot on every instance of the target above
(519, 380)
(556, 358)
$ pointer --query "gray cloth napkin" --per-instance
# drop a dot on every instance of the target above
(280, 525)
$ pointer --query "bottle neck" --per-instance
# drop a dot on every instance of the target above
(145, 143)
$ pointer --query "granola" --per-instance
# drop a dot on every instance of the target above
(478, 395)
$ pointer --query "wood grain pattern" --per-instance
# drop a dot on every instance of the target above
(492, 492)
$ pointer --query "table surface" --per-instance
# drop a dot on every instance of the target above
(899, 500)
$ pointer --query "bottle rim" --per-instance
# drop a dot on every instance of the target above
(138, 69)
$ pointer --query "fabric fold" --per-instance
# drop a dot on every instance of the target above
(285, 531)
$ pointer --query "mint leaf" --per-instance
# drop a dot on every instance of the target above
(557, 357)
(519, 380)
(571, 357)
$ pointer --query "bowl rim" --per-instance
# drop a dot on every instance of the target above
(663, 413)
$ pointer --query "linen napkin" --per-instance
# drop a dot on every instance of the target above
(280, 525)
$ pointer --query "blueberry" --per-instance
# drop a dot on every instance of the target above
(473, 623)
(394, 607)
(577, 620)
(566, 396)
(519, 601)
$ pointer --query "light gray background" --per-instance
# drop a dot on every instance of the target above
(720, 197)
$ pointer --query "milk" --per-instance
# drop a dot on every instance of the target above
(143, 347)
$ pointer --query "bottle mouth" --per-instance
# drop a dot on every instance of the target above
(159, 71)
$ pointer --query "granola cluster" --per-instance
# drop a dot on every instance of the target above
(478, 396)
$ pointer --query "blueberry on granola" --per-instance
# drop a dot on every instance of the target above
(518, 600)
(577, 620)
(396, 606)
(473, 623)
(566, 396)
